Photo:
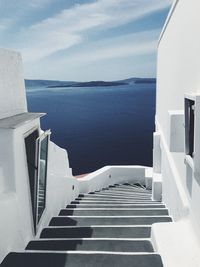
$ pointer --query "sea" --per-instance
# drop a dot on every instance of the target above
(99, 126)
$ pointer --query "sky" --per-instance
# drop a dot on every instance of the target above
(82, 40)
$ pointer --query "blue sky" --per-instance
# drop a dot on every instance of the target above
(84, 39)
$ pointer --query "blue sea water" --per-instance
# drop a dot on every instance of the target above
(99, 125)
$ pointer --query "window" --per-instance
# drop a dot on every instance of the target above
(30, 144)
(189, 126)
(37, 158)
(192, 133)
(42, 160)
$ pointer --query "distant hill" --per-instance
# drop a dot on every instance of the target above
(45, 83)
(139, 80)
(146, 80)
(89, 84)
(58, 84)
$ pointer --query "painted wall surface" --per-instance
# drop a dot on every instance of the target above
(12, 89)
(16, 224)
(110, 175)
(178, 73)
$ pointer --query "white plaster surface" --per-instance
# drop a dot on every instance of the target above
(59, 184)
(157, 187)
(16, 224)
(110, 175)
(156, 153)
(176, 131)
(177, 243)
(174, 194)
(12, 89)
(149, 178)
(178, 75)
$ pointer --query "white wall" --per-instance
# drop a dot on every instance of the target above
(110, 175)
(12, 90)
(178, 59)
(178, 72)
(16, 224)
(62, 187)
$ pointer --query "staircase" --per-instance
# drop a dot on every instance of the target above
(110, 227)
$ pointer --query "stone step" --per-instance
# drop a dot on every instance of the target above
(154, 206)
(113, 231)
(124, 197)
(108, 193)
(113, 212)
(127, 186)
(72, 259)
(102, 201)
(130, 189)
(117, 245)
(113, 199)
(136, 185)
(119, 200)
(123, 200)
(124, 190)
(112, 220)
(111, 227)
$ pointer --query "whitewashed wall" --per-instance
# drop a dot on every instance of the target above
(178, 72)
(12, 93)
(110, 175)
(16, 220)
(16, 224)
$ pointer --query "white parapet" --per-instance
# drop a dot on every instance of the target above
(110, 175)
(149, 178)
(156, 153)
(157, 163)
(157, 187)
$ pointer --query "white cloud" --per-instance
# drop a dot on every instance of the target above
(12, 12)
(109, 59)
(4, 24)
(68, 28)
(49, 45)
(119, 47)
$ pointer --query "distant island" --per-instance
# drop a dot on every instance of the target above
(36, 84)
(145, 80)
(89, 84)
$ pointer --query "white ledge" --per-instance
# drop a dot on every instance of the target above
(15, 121)
(110, 175)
